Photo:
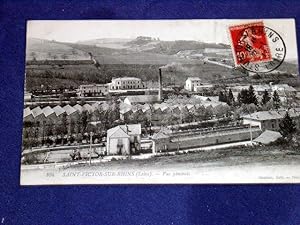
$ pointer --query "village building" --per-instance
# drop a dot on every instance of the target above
(283, 90)
(124, 139)
(93, 90)
(191, 83)
(165, 140)
(126, 83)
(270, 120)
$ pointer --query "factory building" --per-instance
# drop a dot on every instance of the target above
(93, 90)
(125, 83)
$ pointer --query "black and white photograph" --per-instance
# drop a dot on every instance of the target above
(210, 101)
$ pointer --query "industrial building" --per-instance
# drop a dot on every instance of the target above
(93, 90)
(125, 83)
(194, 84)
(165, 140)
(270, 120)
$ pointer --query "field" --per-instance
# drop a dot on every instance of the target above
(74, 75)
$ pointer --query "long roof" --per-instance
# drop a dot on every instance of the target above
(271, 115)
(126, 78)
(142, 98)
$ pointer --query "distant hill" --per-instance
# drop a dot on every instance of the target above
(114, 43)
(44, 49)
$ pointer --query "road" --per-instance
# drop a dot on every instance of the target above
(206, 165)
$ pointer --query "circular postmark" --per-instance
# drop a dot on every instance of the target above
(259, 49)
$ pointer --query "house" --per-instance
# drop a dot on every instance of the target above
(192, 82)
(203, 88)
(93, 90)
(124, 139)
(270, 120)
(141, 99)
(126, 83)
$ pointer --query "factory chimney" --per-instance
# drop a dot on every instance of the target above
(159, 85)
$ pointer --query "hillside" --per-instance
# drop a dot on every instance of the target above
(114, 43)
(44, 49)
(141, 58)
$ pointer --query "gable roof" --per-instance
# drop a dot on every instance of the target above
(78, 108)
(48, 111)
(69, 109)
(36, 111)
(124, 130)
(27, 112)
(58, 110)
(87, 107)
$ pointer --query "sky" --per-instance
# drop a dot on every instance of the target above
(209, 30)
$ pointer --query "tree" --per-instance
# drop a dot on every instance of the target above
(54, 57)
(230, 98)
(276, 100)
(222, 97)
(266, 98)
(243, 97)
(251, 96)
(84, 118)
(33, 55)
(287, 126)
(64, 56)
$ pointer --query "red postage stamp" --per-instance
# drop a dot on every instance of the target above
(250, 43)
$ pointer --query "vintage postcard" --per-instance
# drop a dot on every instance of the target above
(161, 102)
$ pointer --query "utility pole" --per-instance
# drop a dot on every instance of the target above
(90, 149)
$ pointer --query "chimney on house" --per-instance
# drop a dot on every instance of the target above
(159, 85)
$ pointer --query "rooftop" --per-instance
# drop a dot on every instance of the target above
(58, 110)
(193, 78)
(69, 109)
(125, 78)
(36, 111)
(267, 137)
(142, 98)
(125, 130)
(48, 111)
(271, 115)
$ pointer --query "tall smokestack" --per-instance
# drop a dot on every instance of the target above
(159, 85)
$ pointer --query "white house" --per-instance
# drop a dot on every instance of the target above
(124, 139)
(192, 82)
(125, 83)
(93, 89)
